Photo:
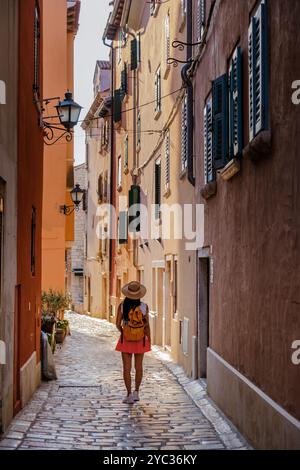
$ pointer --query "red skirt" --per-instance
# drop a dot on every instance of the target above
(133, 347)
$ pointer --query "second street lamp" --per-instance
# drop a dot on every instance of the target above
(77, 195)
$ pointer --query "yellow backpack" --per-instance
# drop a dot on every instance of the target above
(133, 330)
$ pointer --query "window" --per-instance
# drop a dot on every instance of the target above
(157, 91)
(258, 72)
(184, 135)
(37, 47)
(167, 40)
(139, 129)
(167, 161)
(200, 19)
(134, 215)
(135, 52)
(105, 187)
(209, 171)
(126, 153)
(124, 81)
(32, 243)
(220, 121)
(120, 43)
(117, 106)
(157, 177)
(119, 175)
(235, 105)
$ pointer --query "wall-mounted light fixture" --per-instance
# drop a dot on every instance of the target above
(68, 113)
(77, 195)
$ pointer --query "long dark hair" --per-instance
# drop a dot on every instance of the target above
(128, 304)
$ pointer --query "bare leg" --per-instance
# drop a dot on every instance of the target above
(138, 363)
(127, 359)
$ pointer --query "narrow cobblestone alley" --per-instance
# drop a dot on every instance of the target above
(83, 409)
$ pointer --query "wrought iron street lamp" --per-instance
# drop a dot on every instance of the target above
(68, 113)
(77, 195)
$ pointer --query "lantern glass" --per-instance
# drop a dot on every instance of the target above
(77, 195)
(68, 111)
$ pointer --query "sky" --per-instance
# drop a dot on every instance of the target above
(88, 49)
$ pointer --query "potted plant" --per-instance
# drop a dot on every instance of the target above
(62, 327)
(53, 305)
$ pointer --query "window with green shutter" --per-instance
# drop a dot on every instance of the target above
(117, 106)
(124, 81)
(134, 200)
(220, 121)
(258, 71)
(209, 171)
(235, 105)
(157, 177)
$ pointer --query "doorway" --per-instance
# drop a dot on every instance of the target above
(167, 306)
(203, 314)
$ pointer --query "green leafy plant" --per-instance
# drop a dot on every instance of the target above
(62, 324)
(53, 301)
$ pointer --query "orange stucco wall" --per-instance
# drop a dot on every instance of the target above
(55, 157)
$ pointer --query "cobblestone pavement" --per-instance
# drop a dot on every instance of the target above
(83, 409)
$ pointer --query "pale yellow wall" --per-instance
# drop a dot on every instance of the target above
(152, 259)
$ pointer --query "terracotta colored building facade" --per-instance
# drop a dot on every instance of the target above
(249, 303)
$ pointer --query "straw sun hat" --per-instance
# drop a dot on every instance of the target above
(134, 290)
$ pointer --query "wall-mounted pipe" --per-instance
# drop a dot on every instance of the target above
(190, 95)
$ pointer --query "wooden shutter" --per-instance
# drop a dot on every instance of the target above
(100, 189)
(167, 160)
(208, 155)
(236, 105)
(134, 198)
(134, 54)
(184, 134)
(157, 189)
(220, 121)
(258, 72)
(117, 106)
(124, 82)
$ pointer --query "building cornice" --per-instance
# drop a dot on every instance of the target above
(114, 20)
(73, 12)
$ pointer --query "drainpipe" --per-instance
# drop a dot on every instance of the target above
(111, 142)
(190, 95)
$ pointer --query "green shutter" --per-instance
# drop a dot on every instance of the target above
(126, 152)
(236, 105)
(117, 106)
(208, 155)
(220, 121)
(124, 82)
(134, 54)
(134, 198)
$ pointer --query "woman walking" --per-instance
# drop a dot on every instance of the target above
(133, 324)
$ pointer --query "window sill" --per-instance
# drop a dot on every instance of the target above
(209, 190)
(259, 147)
(230, 170)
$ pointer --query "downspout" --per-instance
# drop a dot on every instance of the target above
(190, 95)
(111, 142)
